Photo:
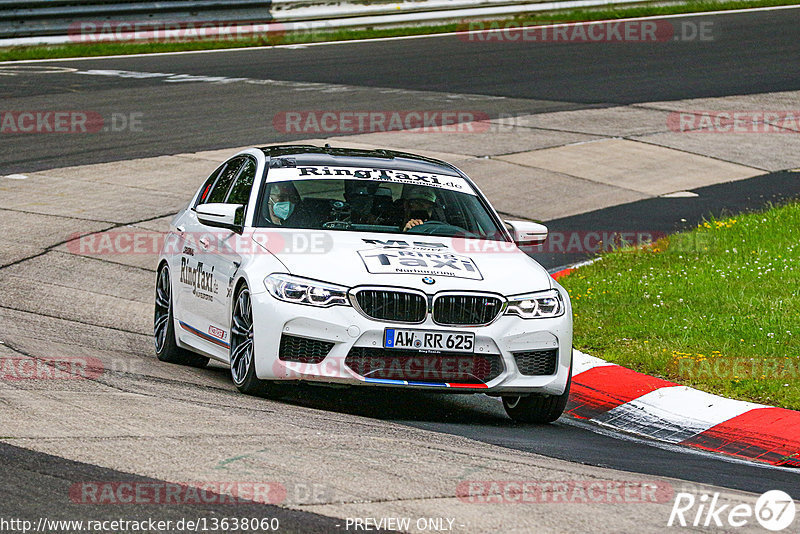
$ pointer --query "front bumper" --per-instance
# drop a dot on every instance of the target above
(347, 328)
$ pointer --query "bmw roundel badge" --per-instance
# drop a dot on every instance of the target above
(429, 280)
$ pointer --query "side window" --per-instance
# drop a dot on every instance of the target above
(240, 192)
(223, 184)
(202, 198)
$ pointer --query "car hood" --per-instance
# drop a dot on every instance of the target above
(407, 260)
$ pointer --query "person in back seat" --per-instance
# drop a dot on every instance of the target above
(368, 201)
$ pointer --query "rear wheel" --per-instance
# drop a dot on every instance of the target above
(243, 362)
(537, 408)
(167, 349)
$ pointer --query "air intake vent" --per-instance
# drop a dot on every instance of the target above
(537, 362)
(303, 350)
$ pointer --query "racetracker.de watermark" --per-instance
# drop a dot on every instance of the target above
(352, 122)
(565, 242)
(715, 366)
(171, 31)
(177, 493)
(735, 122)
(627, 31)
(146, 242)
(300, 241)
(565, 492)
(467, 368)
(68, 122)
(51, 368)
(63, 367)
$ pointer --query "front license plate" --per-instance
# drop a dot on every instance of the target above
(398, 338)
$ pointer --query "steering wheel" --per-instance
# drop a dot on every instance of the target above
(435, 227)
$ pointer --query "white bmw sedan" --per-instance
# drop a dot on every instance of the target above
(362, 267)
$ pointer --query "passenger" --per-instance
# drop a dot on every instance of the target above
(282, 203)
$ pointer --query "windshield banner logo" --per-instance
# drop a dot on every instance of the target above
(417, 260)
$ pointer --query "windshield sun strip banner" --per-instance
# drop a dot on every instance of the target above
(436, 181)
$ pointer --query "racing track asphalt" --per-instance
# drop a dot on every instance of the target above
(38, 485)
(482, 418)
(749, 53)
(532, 77)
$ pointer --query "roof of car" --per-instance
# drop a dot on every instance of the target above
(354, 157)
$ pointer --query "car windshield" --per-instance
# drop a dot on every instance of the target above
(448, 207)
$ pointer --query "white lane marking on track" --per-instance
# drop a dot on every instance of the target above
(680, 194)
(169, 77)
(405, 37)
(16, 177)
(8, 70)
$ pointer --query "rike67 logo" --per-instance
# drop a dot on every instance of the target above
(774, 511)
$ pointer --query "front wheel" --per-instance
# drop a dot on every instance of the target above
(538, 409)
(243, 361)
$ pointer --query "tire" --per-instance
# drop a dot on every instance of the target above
(242, 355)
(167, 349)
(539, 409)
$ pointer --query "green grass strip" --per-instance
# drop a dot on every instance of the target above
(716, 308)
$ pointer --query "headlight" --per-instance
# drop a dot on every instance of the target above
(290, 288)
(541, 305)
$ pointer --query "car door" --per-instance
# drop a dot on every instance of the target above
(182, 250)
(229, 249)
(198, 290)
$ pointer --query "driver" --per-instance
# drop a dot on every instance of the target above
(283, 200)
(418, 203)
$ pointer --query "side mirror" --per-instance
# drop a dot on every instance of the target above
(527, 234)
(221, 216)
